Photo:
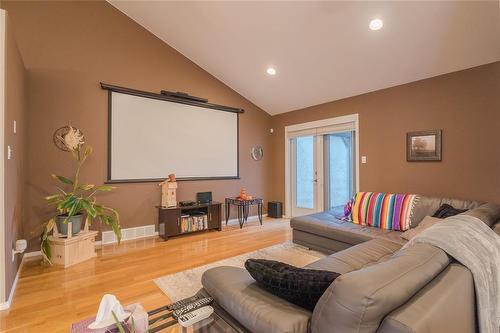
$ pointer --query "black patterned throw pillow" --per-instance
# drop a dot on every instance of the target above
(299, 286)
(447, 211)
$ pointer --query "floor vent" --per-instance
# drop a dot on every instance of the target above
(108, 237)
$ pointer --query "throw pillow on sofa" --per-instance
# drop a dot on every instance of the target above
(300, 286)
(426, 223)
(383, 210)
(447, 210)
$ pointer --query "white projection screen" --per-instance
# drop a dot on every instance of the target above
(150, 138)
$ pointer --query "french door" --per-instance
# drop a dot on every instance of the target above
(339, 169)
(306, 178)
(321, 168)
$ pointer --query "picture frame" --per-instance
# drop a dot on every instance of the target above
(424, 146)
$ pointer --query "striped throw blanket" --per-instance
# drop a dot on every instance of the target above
(383, 210)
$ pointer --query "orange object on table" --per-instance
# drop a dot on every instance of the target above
(243, 195)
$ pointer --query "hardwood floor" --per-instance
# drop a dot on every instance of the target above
(49, 299)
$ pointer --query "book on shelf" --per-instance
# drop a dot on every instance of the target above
(189, 223)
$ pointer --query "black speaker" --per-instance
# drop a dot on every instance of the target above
(204, 197)
(274, 209)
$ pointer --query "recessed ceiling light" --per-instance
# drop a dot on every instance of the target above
(376, 24)
(271, 71)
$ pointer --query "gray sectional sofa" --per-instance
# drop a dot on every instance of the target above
(383, 288)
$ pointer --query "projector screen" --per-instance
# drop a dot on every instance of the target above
(152, 137)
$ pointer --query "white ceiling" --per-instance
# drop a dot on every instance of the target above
(322, 51)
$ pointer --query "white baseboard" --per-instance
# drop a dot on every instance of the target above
(145, 231)
(99, 244)
(32, 254)
(6, 305)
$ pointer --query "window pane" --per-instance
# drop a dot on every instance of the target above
(305, 172)
(341, 168)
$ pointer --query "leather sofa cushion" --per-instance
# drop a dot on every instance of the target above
(357, 256)
(426, 223)
(358, 301)
(327, 225)
(427, 206)
(258, 310)
(489, 213)
(318, 242)
(446, 304)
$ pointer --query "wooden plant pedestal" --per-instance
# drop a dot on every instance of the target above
(74, 249)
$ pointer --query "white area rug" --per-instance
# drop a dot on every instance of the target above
(187, 283)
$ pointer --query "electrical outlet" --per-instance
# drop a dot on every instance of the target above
(9, 152)
(363, 159)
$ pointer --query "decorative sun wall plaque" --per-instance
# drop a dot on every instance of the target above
(60, 134)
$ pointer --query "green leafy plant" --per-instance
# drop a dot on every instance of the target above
(75, 199)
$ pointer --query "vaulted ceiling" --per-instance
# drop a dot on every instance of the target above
(322, 51)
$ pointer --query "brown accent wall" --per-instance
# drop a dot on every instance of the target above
(15, 168)
(464, 104)
(68, 48)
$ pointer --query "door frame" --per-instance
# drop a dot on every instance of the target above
(352, 118)
(3, 294)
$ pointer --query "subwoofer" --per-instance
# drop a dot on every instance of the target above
(274, 209)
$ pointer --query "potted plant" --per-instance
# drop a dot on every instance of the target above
(74, 200)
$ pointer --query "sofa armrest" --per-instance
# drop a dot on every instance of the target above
(446, 304)
(359, 300)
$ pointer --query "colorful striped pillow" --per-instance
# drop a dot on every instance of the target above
(383, 210)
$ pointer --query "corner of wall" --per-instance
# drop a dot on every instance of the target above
(13, 180)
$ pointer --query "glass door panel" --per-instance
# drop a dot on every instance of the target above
(339, 169)
(305, 175)
(304, 180)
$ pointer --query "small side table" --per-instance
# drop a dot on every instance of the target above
(243, 208)
(73, 250)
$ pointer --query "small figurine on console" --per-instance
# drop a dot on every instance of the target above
(168, 192)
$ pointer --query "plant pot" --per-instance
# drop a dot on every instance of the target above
(62, 227)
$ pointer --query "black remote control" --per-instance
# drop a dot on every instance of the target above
(192, 306)
(182, 303)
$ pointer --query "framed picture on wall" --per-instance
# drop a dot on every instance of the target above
(423, 146)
